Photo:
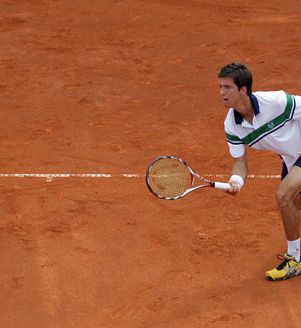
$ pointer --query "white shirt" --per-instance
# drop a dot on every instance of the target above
(276, 126)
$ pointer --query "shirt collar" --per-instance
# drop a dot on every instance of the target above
(255, 106)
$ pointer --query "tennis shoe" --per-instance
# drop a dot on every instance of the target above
(288, 268)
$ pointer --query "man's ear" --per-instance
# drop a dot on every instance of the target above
(243, 90)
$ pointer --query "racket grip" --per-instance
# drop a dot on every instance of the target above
(222, 185)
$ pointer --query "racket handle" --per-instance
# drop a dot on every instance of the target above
(222, 185)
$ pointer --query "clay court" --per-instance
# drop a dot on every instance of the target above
(102, 87)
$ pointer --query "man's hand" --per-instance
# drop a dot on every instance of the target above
(236, 183)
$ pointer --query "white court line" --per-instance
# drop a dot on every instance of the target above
(50, 176)
(252, 176)
(68, 175)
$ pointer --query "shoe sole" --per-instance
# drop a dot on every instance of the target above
(289, 275)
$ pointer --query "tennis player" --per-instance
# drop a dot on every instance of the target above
(270, 121)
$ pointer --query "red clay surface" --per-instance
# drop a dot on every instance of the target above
(104, 87)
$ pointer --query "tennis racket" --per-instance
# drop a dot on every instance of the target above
(169, 177)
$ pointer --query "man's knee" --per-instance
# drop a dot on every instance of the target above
(286, 198)
(288, 192)
(283, 197)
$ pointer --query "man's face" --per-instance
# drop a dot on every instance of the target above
(229, 92)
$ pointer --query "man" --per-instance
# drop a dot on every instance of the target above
(269, 121)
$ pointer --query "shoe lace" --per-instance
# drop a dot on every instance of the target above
(285, 260)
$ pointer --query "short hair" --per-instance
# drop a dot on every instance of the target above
(240, 75)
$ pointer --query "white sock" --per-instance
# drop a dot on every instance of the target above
(293, 248)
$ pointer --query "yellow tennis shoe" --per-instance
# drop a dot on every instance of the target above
(289, 267)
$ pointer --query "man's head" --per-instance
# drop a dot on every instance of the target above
(240, 75)
(235, 81)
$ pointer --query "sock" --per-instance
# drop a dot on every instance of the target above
(293, 248)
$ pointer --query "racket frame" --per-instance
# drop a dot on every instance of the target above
(207, 183)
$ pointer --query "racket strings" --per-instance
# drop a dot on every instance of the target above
(169, 178)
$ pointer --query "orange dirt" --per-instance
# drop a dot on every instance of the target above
(104, 87)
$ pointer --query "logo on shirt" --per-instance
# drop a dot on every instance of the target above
(271, 125)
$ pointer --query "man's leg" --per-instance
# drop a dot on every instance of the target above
(298, 201)
(288, 199)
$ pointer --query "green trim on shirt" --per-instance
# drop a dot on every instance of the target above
(273, 125)
(233, 139)
(268, 127)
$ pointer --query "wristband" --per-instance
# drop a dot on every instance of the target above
(238, 179)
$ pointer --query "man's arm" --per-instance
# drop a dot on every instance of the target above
(239, 175)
